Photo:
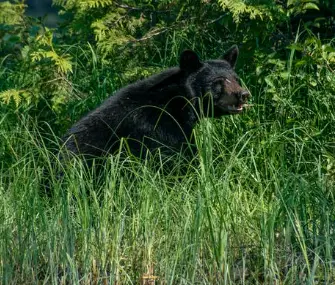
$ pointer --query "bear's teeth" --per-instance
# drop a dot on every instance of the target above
(235, 108)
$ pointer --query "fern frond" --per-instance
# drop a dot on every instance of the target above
(63, 63)
(85, 4)
(16, 96)
(66, 4)
(11, 14)
(240, 8)
(45, 38)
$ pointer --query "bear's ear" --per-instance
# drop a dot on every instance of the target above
(189, 61)
(231, 55)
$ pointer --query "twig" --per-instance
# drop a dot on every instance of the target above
(140, 9)
(151, 35)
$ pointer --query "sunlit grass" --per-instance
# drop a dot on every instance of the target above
(254, 206)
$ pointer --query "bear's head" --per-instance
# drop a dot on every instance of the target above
(214, 82)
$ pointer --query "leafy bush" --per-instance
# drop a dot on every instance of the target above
(42, 67)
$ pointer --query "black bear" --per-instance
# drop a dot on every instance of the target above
(162, 110)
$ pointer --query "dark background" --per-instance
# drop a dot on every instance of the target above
(41, 8)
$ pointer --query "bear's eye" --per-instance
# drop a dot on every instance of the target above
(217, 87)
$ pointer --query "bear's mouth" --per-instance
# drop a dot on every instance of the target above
(234, 109)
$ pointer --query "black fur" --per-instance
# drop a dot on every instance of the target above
(162, 109)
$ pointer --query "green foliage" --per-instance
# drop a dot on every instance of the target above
(266, 10)
(310, 65)
(50, 70)
(35, 70)
(45, 74)
(254, 10)
(134, 25)
(12, 14)
(63, 63)
(301, 6)
(143, 31)
(12, 21)
(16, 95)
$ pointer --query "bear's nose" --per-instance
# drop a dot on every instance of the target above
(244, 95)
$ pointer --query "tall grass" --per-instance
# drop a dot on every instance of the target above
(255, 206)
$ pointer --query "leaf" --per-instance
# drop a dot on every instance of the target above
(295, 46)
(25, 51)
(284, 75)
(310, 6)
(331, 56)
(301, 62)
(313, 82)
(269, 82)
(328, 48)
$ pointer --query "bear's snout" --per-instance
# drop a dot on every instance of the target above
(244, 96)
